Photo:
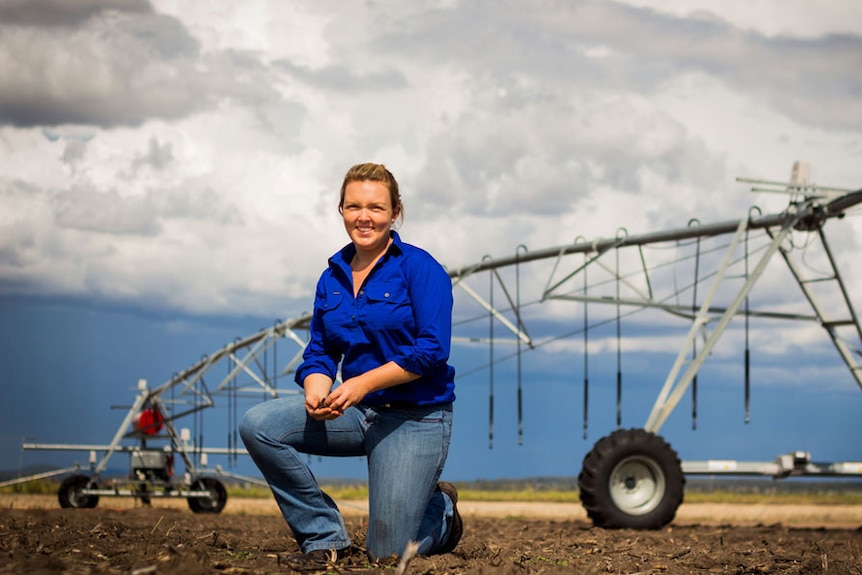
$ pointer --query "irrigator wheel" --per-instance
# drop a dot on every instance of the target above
(212, 504)
(70, 495)
(631, 479)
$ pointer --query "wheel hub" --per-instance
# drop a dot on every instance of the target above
(637, 485)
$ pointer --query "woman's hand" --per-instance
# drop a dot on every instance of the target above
(322, 402)
(349, 393)
(317, 388)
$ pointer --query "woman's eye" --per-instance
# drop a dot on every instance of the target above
(357, 208)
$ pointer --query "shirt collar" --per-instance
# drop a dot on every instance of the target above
(343, 257)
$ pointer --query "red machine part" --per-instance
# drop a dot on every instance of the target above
(149, 421)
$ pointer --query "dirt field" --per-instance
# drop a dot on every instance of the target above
(36, 537)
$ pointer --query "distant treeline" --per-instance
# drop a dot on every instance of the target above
(692, 485)
(800, 485)
(30, 470)
(793, 485)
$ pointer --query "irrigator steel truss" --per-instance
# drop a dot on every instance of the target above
(631, 478)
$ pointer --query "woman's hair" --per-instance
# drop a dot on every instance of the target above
(374, 173)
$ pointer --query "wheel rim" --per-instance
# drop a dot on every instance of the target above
(214, 499)
(208, 503)
(76, 498)
(637, 485)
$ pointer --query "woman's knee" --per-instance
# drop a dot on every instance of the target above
(251, 422)
(246, 429)
(271, 418)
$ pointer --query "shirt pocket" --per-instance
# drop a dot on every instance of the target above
(390, 306)
(330, 301)
(335, 314)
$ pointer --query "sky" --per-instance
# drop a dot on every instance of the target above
(170, 172)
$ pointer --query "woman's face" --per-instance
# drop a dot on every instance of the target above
(368, 215)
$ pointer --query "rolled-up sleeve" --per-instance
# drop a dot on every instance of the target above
(431, 296)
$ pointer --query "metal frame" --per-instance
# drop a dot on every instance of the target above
(808, 215)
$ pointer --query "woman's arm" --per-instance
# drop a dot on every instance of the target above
(432, 302)
(353, 390)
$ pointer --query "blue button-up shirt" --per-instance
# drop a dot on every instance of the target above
(402, 313)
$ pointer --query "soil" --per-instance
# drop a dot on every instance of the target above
(121, 536)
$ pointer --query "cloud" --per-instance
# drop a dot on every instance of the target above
(571, 150)
(116, 68)
(158, 156)
(798, 18)
(113, 69)
(202, 134)
(90, 210)
(604, 45)
(64, 13)
(339, 78)
(108, 212)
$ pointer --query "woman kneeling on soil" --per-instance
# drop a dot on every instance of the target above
(383, 309)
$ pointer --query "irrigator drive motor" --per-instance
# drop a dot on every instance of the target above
(152, 465)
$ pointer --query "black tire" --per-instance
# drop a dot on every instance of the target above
(212, 504)
(70, 495)
(631, 479)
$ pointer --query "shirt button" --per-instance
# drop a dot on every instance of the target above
(386, 294)
(362, 292)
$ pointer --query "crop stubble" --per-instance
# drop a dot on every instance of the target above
(503, 538)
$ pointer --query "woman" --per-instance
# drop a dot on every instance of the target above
(383, 310)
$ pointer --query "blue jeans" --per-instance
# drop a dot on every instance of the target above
(406, 449)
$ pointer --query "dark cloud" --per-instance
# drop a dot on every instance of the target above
(163, 36)
(813, 80)
(115, 69)
(119, 69)
(64, 12)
